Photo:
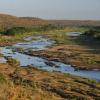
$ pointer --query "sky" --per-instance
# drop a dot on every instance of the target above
(53, 9)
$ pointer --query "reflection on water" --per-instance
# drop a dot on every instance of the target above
(73, 33)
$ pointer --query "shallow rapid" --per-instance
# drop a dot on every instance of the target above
(40, 43)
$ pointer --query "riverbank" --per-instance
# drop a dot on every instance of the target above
(6, 40)
(52, 50)
(10, 40)
(31, 83)
(75, 55)
(76, 51)
(80, 52)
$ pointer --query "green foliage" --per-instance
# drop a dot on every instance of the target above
(51, 27)
(20, 30)
(16, 30)
(2, 78)
(93, 32)
(60, 38)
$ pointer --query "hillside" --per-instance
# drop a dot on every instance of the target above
(7, 21)
(75, 22)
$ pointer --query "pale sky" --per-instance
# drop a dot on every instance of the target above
(53, 9)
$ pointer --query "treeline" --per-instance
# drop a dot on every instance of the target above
(14, 31)
(22, 30)
(93, 32)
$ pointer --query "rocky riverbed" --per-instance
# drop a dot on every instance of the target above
(39, 52)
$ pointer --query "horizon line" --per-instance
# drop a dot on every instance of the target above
(51, 18)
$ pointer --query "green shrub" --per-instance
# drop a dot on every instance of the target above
(2, 78)
(93, 32)
(15, 30)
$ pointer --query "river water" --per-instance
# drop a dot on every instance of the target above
(40, 43)
(74, 33)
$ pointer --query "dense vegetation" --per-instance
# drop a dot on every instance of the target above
(20, 30)
(9, 21)
(93, 32)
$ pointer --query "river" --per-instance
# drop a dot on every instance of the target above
(41, 43)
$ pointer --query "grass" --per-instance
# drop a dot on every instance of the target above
(19, 34)
(13, 62)
(16, 38)
(76, 51)
(33, 84)
(30, 84)
(2, 78)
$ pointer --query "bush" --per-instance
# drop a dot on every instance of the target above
(15, 30)
(93, 32)
(2, 78)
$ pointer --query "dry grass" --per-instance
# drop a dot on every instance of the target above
(31, 84)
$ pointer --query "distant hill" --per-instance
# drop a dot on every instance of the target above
(75, 22)
(7, 21)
